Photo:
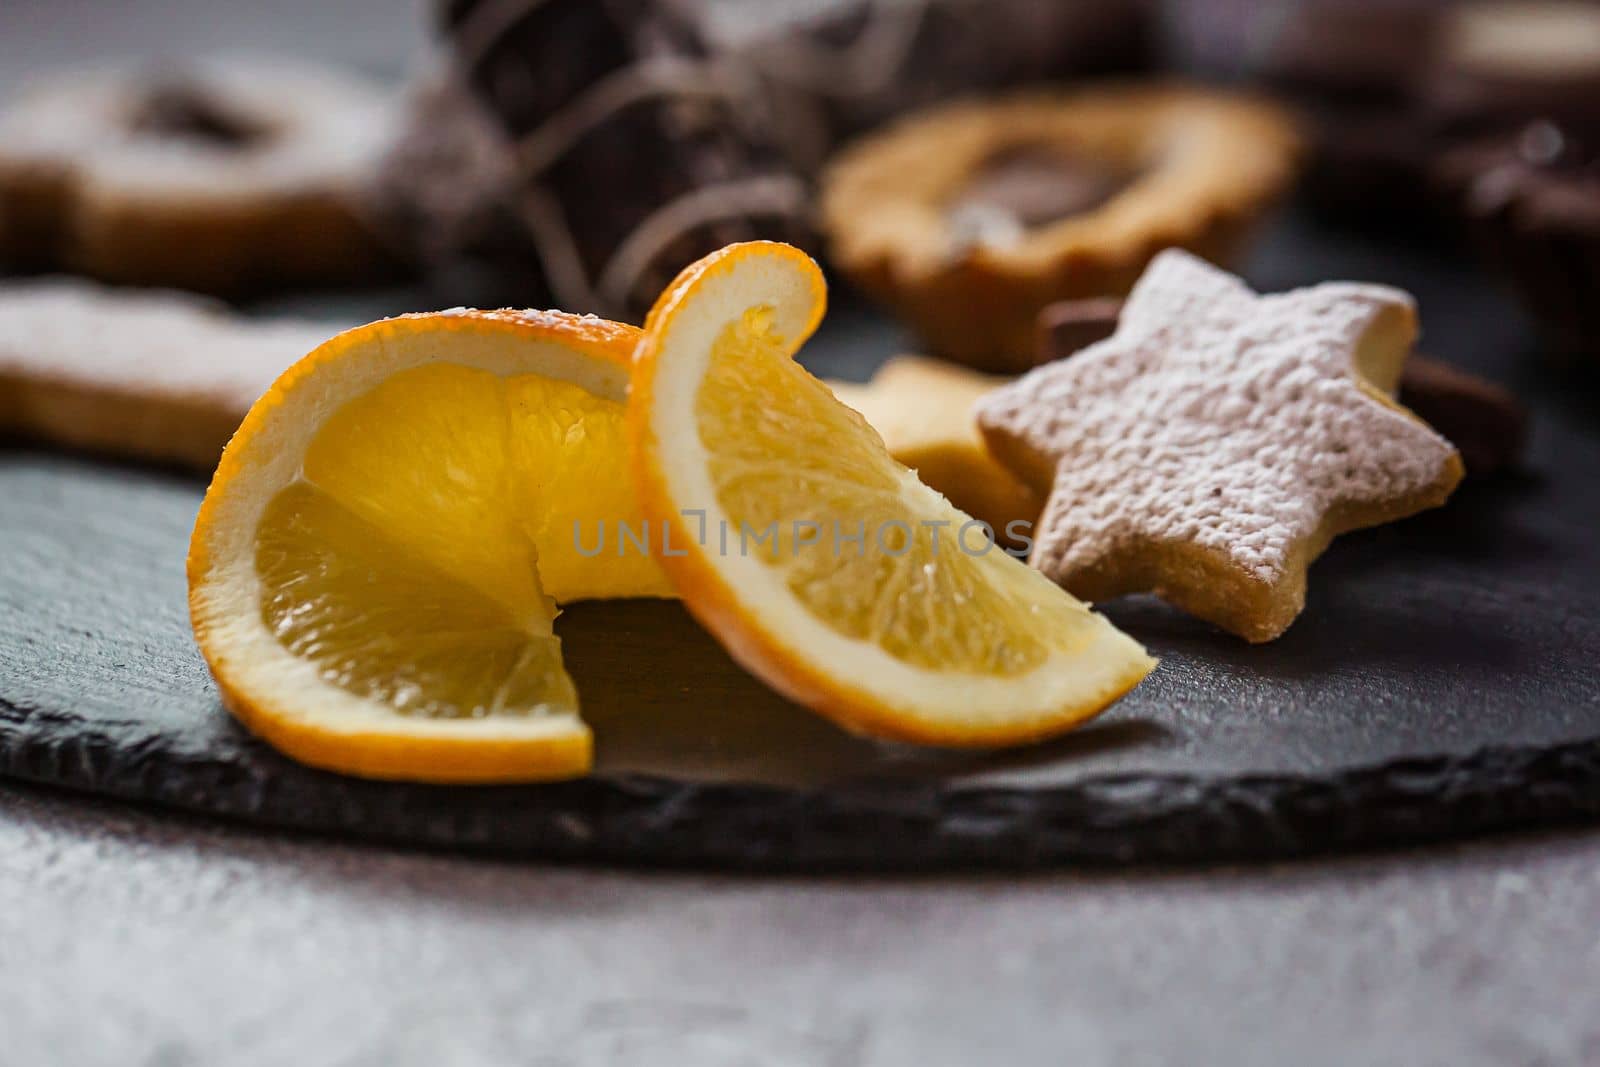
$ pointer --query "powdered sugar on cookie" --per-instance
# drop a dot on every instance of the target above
(151, 374)
(218, 174)
(302, 129)
(1220, 438)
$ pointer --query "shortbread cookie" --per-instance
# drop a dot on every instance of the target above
(923, 410)
(1212, 447)
(221, 177)
(159, 376)
(968, 219)
(1486, 423)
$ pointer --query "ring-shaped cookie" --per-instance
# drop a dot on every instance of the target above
(968, 219)
(224, 176)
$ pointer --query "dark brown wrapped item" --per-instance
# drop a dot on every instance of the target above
(634, 150)
(443, 192)
(641, 135)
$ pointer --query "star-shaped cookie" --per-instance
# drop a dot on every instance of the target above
(1210, 449)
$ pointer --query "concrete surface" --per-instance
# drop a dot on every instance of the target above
(130, 937)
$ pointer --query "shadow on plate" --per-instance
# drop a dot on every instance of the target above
(1359, 615)
(664, 698)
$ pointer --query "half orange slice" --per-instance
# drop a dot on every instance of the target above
(373, 572)
(822, 564)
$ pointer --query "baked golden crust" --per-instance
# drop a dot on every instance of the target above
(1211, 448)
(1202, 167)
(226, 179)
(153, 375)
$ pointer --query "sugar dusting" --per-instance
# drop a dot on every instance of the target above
(145, 343)
(326, 131)
(1214, 417)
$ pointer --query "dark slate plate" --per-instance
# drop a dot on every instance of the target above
(1443, 681)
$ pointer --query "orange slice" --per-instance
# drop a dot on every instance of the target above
(762, 481)
(372, 571)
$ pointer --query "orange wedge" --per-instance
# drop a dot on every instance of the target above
(372, 573)
(762, 483)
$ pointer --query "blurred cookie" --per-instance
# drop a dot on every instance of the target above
(969, 219)
(157, 376)
(223, 176)
(1211, 448)
(924, 411)
(1391, 87)
(1532, 201)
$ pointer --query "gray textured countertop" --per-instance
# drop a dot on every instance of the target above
(129, 937)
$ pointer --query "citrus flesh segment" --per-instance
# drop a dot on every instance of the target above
(473, 470)
(369, 572)
(382, 623)
(827, 567)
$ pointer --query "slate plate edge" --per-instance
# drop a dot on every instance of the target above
(651, 821)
